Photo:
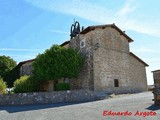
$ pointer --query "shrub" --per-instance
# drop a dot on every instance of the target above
(26, 84)
(62, 86)
(3, 86)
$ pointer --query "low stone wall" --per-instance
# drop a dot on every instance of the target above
(47, 97)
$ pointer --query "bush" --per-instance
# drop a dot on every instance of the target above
(62, 86)
(26, 84)
(3, 86)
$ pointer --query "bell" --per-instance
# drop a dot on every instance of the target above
(77, 27)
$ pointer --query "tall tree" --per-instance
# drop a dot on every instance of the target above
(6, 65)
(57, 62)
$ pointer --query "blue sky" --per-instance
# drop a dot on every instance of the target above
(28, 27)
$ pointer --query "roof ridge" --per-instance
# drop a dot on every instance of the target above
(90, 28)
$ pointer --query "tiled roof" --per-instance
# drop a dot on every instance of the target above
(23, 62)
(65, 43)
(90, 28)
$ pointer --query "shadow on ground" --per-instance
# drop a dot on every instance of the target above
(153, 107)
(13, 109)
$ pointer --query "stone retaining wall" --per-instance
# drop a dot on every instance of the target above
(47, 97)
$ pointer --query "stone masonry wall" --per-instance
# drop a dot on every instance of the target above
(121, 66)
(26, 69)
(113, 61)
(85, 78)
(137, 74)
(47, 97)
(156, 77)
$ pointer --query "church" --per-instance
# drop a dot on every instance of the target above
(109, 65)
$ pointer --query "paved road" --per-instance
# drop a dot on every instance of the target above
(85, 111)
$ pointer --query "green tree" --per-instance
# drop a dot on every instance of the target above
(12, 75)
(6, 65)
(57, 62)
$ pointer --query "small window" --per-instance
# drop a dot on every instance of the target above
(116, 83)
(82, 43)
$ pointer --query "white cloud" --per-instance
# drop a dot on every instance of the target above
(145, 50)
(127, 8)
(21, 56)
(142, 27)
(78, 8)
(24, 57)
(58, 31)
(100, 14)
(153, 60)
(12, 49)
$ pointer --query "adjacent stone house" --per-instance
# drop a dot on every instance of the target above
(109, 65)
(156, 77)
(26, 67)
(156, 89)
(23, 68)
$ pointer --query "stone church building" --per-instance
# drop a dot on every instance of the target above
(109, 65)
